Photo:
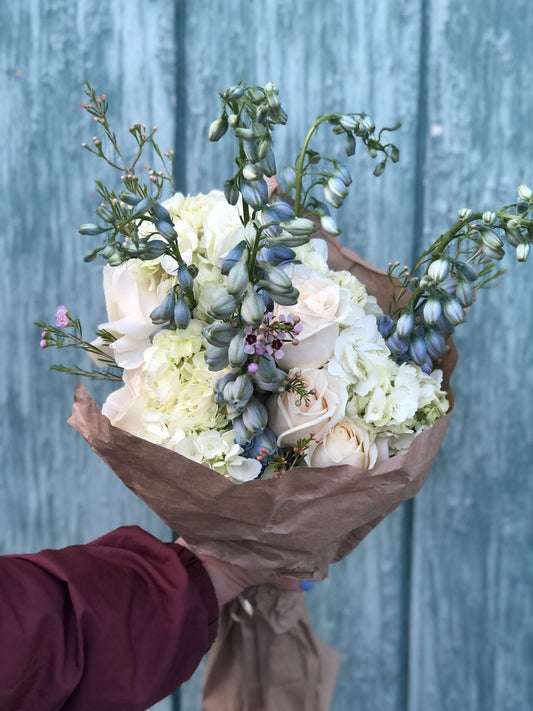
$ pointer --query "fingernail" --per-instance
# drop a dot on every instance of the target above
(306, 585)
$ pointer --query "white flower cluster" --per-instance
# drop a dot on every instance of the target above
(362, 406)
(365, 407)
(168, 394)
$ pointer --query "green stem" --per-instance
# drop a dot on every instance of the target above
(301, 159)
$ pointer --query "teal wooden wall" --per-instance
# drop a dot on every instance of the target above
(434, 611)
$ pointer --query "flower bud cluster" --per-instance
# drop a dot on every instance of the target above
(312, 171)
(441, 295)
(251, 113)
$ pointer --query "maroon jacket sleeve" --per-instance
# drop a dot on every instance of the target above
(115, 625)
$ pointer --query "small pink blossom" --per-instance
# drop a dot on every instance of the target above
(43, 343)
(62, 319)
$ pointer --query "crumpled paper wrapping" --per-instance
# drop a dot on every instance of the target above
(293, 526)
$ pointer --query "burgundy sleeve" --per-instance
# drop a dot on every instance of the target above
(115, 625)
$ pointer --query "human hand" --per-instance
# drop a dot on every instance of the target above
(230, 580)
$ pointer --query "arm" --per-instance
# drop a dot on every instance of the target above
(116, 624)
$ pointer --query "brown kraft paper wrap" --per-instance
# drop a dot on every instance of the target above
(296, 526)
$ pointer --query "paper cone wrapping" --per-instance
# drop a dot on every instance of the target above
(296, 525)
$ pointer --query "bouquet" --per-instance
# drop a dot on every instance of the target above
(278, 396)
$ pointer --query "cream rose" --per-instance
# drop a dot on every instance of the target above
(321, 306)
(130, 299)
(347, 442)
(292, 417)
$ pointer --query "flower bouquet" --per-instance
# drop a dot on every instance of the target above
(279, 396)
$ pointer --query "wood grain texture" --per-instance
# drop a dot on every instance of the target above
(54, 490)
(351, 57)
(471, 643)
(433, 611)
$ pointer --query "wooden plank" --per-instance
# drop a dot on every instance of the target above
(353, 57)
(471, 608)
(54, 490)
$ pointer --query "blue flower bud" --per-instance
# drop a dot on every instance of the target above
(252, 308)
(91, 230)
(105, 214)
(163, 313)
(232, 257)
(367, 124)
(185, 278)
(255, 416)
(525, 193)
(238, 278)
(453, 311)
(142, 207)
(349, 144)
(288, 240)
(490, 238)
(405, 324)
(153, 249)
(224, 306)
(251, 151)
(343, 173)
(265, 440)
(464, 292)
(267, 301)
(432, 310)
(245, 134)
(166, 229)
(218, 128)
(282, 209)
(261, 112)
(233, 93)
(284, 297)
(269, 378)
(219, 334)
(278, 254)
(522, 251)
(252, 172)
(489, 217)
(385, 325)
(236, 354)
(275, 277)
(114, 261)
(348, 122)
(216, 358)
(130, 198)
(182, 313)
(337, 187)
(263, 147)
(514, 237)
(332, 198)
(231, 192)
(220, 384)
(445, 326)
(467, 270)
(243, 436)
(435, 344)
(298, 226)
(255, 193)
(397, 345)
(449, 285)
(439, 269)
(268, 163)
(238, 392)
(289, 175)
(160, 212)
(329, 225)
(427, 366)
(417, 349)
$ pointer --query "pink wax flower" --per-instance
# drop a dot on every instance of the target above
(62, 319)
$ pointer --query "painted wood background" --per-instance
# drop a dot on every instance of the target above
(434, 611)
